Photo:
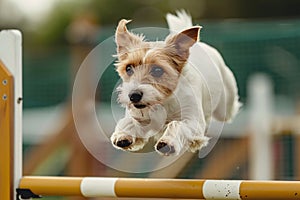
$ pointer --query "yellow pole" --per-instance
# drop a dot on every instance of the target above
(52, 186)
(270, 190)
(162, 188)
(159, 188)
(6, 134)
(121, 187)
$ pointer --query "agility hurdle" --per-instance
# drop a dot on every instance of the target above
(14, 186)
(161, 188)
(10, 112)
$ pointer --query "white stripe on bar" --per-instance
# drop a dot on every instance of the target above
(221, 189)
(95, 187)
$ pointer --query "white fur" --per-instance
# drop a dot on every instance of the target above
(180, 22)
(182, 119)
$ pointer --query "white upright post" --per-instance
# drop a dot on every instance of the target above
(11, 57)
(260, 95)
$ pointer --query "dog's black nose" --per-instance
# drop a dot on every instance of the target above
(135, 96)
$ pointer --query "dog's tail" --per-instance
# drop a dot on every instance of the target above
(180, 22)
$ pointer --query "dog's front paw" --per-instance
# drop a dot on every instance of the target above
(121, 141)
(124, 142)
(198, 143)
(167, 147)
(127, 142)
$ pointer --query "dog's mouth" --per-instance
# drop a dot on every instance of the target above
(139, 106)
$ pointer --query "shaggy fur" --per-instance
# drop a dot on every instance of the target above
(165, 96)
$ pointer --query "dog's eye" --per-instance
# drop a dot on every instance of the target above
(129, 69)
(156, 71)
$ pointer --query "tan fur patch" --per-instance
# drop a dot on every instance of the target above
(142, 61)
(142, 56)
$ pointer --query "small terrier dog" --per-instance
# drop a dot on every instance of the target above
(165, 97)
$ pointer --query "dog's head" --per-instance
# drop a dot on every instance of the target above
(150, 70)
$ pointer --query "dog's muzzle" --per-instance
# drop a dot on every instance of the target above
(135, 97)
(139, 106)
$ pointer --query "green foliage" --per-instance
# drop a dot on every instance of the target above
(107, 12)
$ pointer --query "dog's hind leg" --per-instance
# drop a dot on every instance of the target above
(229, 102)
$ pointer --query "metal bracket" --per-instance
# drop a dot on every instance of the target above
(23, 194)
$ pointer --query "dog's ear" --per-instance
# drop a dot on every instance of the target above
(180, 43)
(126, 40)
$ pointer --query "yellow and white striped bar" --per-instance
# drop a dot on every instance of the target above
(161, 188)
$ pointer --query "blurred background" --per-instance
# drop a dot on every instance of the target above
(259, 40)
